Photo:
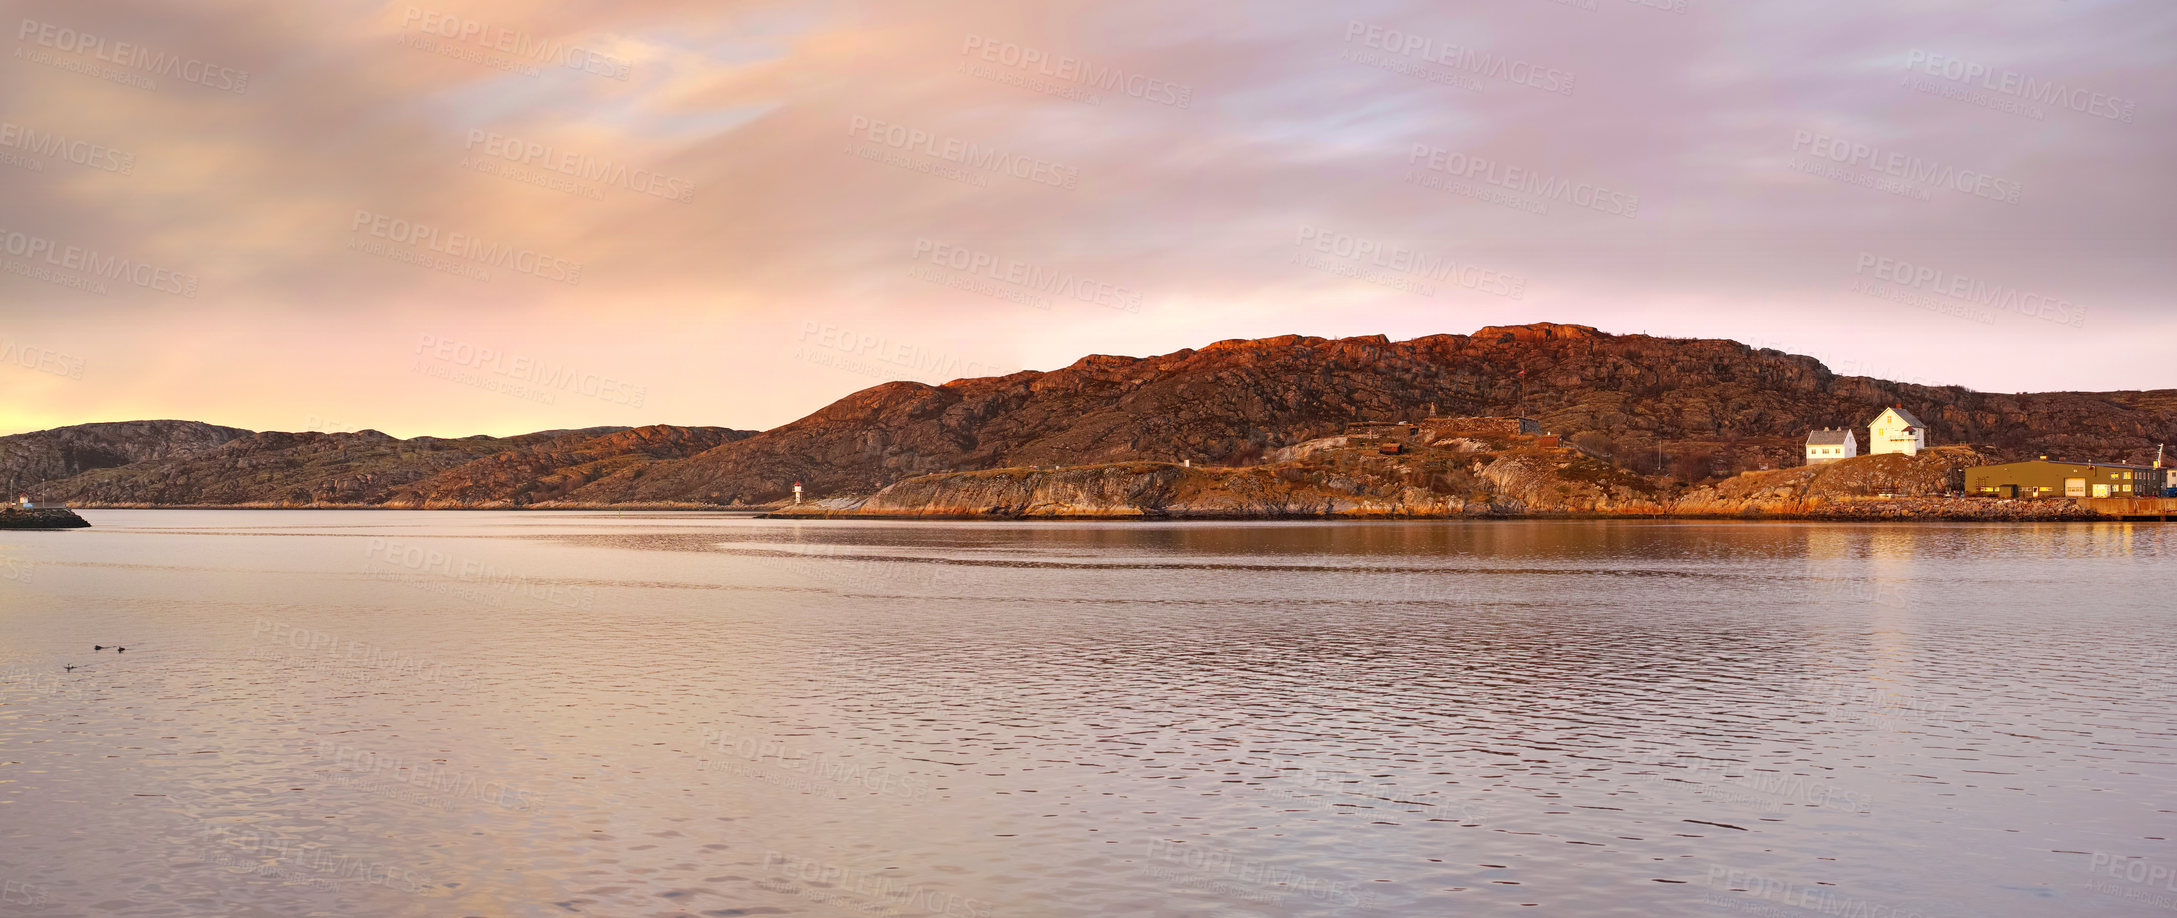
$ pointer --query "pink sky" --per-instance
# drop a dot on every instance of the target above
(493, 217)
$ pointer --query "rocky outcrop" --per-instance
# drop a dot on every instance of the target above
(1457, 477)
(29, 460)
(1462, 477)
(41, 518)
(1137, 490)
(1805, 489)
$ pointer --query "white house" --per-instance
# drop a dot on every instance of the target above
(1895, 430)
(1827, 445)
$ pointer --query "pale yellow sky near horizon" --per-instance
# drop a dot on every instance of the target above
(498, 217)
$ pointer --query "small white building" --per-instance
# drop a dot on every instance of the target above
(1828, 445)
(1895, 430)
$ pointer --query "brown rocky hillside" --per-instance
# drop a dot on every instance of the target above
(369, 468)
(30, 459)
(1488, 476)
(555, 469)
(271, 468)
(1932, 473)
(1694, 410)
(1714, 407)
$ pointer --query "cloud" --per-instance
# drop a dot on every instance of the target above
(677, 190)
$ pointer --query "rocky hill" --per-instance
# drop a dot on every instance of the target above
(1685, 411)
(29, 459)
(1693, 408)
(369, 468)
(272, 468)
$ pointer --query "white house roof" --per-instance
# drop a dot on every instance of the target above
(1829, 437)
(1902, 415)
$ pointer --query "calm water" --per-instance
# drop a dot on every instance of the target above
(388, 713)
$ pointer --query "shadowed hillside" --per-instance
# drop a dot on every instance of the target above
(369, 468)
(29, 459)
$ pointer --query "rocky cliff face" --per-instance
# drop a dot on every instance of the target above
(1713, 407)
(30, 459)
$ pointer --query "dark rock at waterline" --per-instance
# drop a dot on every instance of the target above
(42, 518)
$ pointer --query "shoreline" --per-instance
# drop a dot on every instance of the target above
(1873, 515)
(1448, 517)
(669, 507)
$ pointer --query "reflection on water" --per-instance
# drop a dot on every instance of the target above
(679, 714)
